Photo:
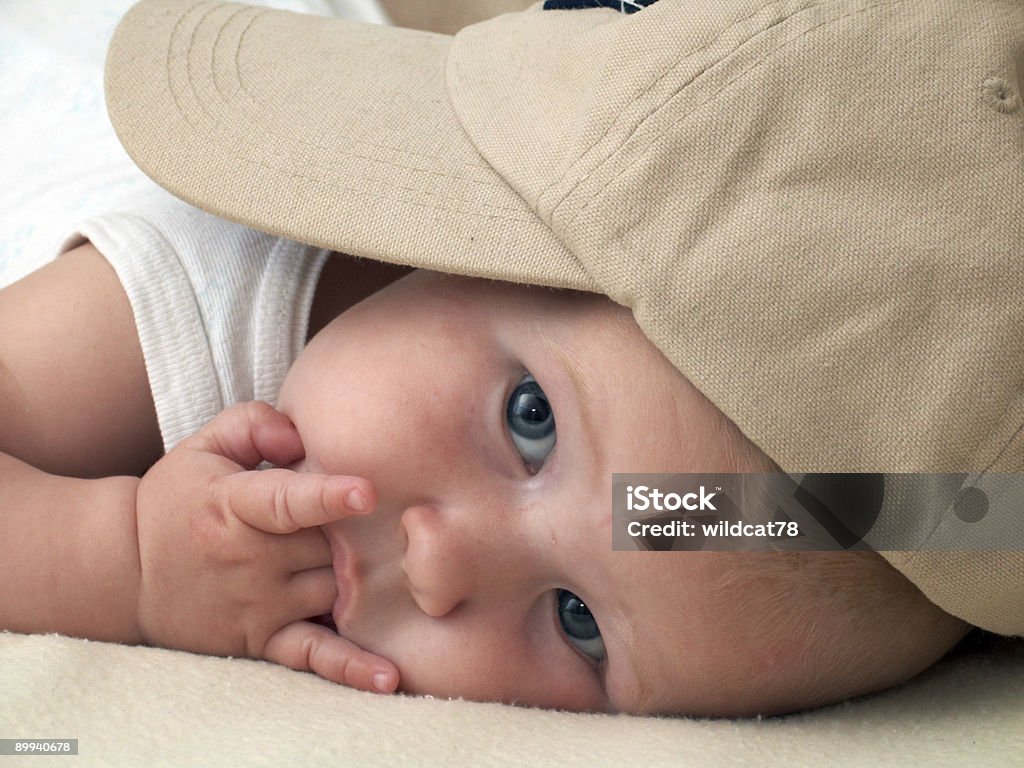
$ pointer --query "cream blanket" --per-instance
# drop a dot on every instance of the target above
(152, 707)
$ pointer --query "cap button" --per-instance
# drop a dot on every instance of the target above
(1000, 95)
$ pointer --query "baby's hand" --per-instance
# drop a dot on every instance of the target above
(232, 561)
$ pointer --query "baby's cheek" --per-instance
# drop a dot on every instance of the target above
(783, 649)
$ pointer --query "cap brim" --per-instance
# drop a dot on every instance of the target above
(327, 131)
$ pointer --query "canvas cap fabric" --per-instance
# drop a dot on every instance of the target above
(814, 208)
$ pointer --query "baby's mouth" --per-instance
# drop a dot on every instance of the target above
(326, 620)
(345, 575)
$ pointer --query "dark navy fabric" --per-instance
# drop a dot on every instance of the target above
(626, 6)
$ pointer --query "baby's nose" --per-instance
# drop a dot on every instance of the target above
(441, 561)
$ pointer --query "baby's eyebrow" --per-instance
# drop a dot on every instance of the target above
(582, 393)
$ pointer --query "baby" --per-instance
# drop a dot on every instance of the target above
(457, 436)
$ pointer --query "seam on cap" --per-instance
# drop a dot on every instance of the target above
(998, 453)
(462, 202)
(389, 147)
(668, 70)
(642, 260)
(741, 76)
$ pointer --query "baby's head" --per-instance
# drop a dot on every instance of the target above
(490, 418)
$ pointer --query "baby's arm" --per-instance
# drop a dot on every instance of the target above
(203, 554)
(74, 400)
(74, 394)
(74, 403)
(69, 559)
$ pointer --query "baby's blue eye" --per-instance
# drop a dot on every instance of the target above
(579, 625)
(531, 424)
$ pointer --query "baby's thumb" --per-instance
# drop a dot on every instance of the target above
(249, 434)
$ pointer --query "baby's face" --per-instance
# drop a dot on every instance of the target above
(490, 419)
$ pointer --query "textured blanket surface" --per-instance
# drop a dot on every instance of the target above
(152, 707)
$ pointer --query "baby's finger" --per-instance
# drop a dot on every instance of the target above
(282, 501)
(311, 593)
(311, 648)
(249, 434)
(303, 551)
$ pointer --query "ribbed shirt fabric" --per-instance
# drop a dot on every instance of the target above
(221, 310)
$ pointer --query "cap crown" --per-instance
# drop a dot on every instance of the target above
(808, 205)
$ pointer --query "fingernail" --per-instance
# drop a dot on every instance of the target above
(356, 500)
(382, 682)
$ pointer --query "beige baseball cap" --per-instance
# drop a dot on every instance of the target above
(814, 208)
